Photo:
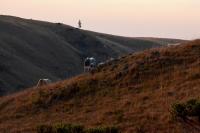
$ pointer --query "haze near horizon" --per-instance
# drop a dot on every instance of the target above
(134, 18)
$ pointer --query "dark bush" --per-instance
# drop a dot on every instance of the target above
(45, 129)
(60, 128)
(77, 129)
(179, 110)
(189, 109)
(197, 110)
(70, 128)
(103, 130)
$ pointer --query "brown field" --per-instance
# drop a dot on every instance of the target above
(134, 93)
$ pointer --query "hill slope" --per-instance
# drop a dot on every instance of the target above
(30, 50)
(134, 93)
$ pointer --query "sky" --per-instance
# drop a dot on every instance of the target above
(133, 18)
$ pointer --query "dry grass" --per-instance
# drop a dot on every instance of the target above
(134, 93)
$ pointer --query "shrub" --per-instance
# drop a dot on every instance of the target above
(103, 130)
(179, 110)
(70, 128)
(45, 129)
(189, 109)
(77, 129)
(193, 108)
(61, 128)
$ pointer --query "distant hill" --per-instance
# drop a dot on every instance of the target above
(30, 50)
(134, 93)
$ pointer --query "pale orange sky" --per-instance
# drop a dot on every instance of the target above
(141, 18)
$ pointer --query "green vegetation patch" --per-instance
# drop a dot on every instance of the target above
(102, 130)
(184, 110)
(71, 128)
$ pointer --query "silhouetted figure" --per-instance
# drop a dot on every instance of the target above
(79, 24)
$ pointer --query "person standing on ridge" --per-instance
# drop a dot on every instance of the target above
(79, 24)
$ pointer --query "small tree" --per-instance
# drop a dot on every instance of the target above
(79, 24)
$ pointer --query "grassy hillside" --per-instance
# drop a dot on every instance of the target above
(30, 50)
(134, 93)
